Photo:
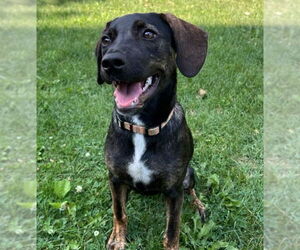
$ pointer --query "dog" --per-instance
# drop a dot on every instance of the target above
(149, 145)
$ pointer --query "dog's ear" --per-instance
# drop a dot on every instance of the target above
(98, 55)
(190, 42)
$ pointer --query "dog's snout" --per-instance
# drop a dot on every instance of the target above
(113, 62)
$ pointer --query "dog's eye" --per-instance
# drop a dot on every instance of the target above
(149, 34)
(106, 40)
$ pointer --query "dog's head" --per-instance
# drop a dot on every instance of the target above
(137, 52)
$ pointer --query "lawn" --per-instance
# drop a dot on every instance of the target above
(74, 204)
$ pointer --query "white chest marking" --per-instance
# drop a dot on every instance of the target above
(137, 168)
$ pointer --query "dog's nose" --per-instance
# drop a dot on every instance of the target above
(112, 62)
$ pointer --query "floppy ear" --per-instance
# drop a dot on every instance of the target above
(190, 42)
(98, 55)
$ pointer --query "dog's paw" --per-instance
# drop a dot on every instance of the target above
(172, 248)
(175, 247)
(116, 242)
(115, 245)
(168, 245)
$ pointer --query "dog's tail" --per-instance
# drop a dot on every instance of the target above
(188, 185)
(199, 205)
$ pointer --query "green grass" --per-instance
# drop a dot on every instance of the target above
(17, 129)
(281, 124)
(74, 114)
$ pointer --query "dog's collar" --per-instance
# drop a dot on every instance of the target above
(143, 130)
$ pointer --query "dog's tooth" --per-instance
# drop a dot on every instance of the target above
(148, 83)
(146, 86)
(149, 80)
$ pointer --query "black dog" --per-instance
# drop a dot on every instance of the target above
(149, 145)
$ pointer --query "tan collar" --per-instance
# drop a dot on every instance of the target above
(143, 130)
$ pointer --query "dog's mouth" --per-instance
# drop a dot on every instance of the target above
(134, 94)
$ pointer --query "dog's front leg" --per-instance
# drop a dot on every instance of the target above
(117, 238)
(174, 200)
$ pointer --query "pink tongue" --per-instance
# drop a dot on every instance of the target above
(125, 94)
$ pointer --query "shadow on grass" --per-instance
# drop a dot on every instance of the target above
(64, 2)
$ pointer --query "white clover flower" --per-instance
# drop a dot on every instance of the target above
(96, 233)
(78, 189)
(87, 154)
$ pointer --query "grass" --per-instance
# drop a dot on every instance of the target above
(17, 129)
(281, 137)
(74, 113)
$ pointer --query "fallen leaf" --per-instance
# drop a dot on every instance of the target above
(61, 188)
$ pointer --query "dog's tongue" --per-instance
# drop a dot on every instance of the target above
(126, 93)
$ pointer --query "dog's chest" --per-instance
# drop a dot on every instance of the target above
(137, 168)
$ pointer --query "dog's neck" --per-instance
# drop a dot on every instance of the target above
(157, 110)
